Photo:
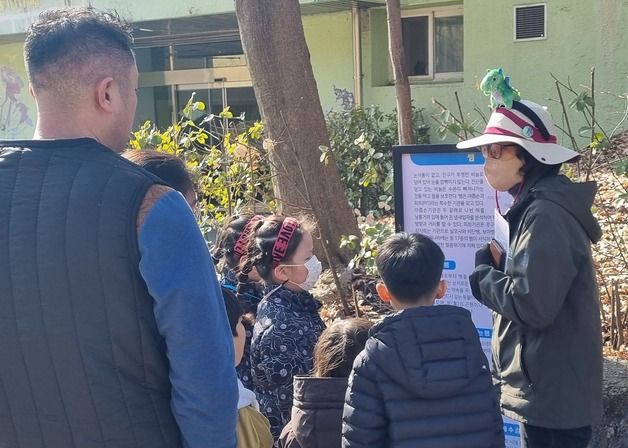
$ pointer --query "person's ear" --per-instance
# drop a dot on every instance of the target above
(441, 289)
(254, 275)
(281, 273)
(105, 90)
(383, 292)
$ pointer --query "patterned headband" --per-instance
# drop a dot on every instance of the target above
(243, 239)
(288, 227)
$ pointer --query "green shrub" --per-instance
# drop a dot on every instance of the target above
(361, 140)
(225, 156)
(373, 235)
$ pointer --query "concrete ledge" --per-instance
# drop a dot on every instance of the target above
(613, 431)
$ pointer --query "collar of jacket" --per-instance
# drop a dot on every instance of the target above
(283, 297)
(525, 197)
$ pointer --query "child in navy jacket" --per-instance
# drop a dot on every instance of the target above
(422, 380)
(288, 324)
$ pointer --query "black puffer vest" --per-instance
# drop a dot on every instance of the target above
(81, 361)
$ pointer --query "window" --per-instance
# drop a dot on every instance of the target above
(433, 43)
(530, 22)
(153, 59)
(208, 55)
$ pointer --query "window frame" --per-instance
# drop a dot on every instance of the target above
(514, 22)
(432, 14)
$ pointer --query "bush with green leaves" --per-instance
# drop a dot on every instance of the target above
(374, 233)
(361, 140)
(225, 156)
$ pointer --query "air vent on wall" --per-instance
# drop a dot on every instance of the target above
(530, 22)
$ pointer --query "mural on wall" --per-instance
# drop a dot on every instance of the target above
(14, 114)
(17, 108)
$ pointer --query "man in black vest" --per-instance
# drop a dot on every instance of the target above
(113, 332)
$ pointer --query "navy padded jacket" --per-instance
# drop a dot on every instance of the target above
(422, 381)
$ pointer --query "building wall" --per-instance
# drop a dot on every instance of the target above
(16, 16)
(580, 34)
(329, 40)
(140, 10)
(611, 55)
(16, 20)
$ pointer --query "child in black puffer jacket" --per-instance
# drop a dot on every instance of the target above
(422, 380)
(288, 324)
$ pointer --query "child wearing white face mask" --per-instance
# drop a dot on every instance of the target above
(288, 324)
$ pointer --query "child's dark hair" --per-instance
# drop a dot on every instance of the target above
(225, 249)
(168, 167)
(411, 265)
(338, 346)
(262, 252)
(234, 310)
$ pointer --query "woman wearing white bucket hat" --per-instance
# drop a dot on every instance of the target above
(547, 354)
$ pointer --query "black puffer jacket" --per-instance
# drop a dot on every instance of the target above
(316, 413)
(547, 348)
(422, 381)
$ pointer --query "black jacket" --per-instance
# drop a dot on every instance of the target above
(316, 413)
(547, 346)
(422, 381)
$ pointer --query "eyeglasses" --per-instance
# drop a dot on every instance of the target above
(495, 150)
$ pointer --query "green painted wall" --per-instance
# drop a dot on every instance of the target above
(611, 55)
(15, 18)
(580, 34)
(329, 39)
(140, 10)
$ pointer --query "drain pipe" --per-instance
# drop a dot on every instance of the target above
(357, 53)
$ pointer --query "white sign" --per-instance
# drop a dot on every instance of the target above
(444, 195)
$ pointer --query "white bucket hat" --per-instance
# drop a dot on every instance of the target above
(528, 125)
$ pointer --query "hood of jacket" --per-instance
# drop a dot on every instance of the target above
(279, 296)
(431, 352)
(576, 198)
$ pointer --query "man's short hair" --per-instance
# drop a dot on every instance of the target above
(69, 47)
(410, 265)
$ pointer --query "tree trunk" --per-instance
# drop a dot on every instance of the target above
(285, 89)
(400, 73)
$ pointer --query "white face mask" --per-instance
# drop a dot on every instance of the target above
(503, 174)
(314, 269)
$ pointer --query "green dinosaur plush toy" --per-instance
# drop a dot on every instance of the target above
(499, 89)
